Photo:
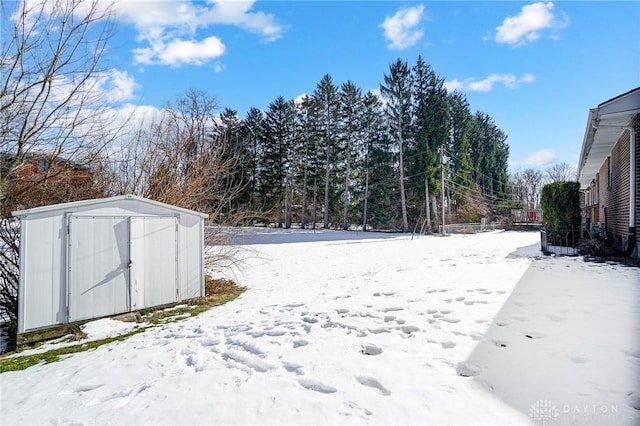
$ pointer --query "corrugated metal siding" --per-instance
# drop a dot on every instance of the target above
(43, 291)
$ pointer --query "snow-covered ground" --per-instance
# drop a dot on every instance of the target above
(354, 328)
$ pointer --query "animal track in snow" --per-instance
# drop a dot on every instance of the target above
(373, 383)
(316, 386)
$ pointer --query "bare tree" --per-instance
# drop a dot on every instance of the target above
(51, 107)
(560, 172)
(526, 186)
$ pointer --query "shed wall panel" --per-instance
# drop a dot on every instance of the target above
(98, 267)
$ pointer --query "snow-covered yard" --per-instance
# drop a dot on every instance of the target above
(353, 328)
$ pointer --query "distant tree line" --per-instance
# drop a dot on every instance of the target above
(340, 157)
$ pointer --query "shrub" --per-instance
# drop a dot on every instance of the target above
(560, 202)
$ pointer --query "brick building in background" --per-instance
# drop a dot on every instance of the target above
(41, 180)
(608, 173)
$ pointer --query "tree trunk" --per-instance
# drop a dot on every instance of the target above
(366, 194)
(327, 175)
(345, 213)
(426, 204)
(303, 225)
(403, 200)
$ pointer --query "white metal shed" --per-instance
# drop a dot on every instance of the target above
(94, 258)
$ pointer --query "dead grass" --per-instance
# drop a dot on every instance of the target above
(218, 287)
(217, 292)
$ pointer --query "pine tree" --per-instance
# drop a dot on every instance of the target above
(276, 162)
(350, 132)
(397, 92)
(326, 99)
(431, 131)
(372, 137)
(252, 131)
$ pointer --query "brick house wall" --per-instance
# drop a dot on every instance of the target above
(614, 191)
(637, 224)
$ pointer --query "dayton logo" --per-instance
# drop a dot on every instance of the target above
(543, 411)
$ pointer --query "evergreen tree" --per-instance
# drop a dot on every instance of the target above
(276, 161)
(431, 131)
(350, 132)
(397, 93)
(327, 104)
(376, 160)
(252, 131)
(307, 169)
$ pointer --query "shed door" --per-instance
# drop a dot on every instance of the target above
(153, 261)
(98, 266)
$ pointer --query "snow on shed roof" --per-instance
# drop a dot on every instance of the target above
(98, 201)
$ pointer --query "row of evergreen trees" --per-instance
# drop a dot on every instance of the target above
(341, 157)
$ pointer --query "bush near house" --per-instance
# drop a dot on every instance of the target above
(560, 202)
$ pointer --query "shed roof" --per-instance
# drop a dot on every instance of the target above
(605, 125)
(98, 201)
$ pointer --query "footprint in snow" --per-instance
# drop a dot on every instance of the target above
(125, 396)
(408, 329)
(87, 388)
(391, 309)
(371, 350)
(556, 318)
(576, 359)
(243, 359)
(373, 383)
(464, 369)
(293, 368)
(298, 343)
(448, 344)
(316, 386)
(451, 320)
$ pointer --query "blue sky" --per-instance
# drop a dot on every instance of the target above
(535, 67)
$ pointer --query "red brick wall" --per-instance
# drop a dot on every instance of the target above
(614, 193)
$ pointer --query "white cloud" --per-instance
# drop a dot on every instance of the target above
(164, 26)
(119, 86)
(510, 81)
(218, 67)
(178, 52)
(401, 29)
(526, 27)
(540, 158)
